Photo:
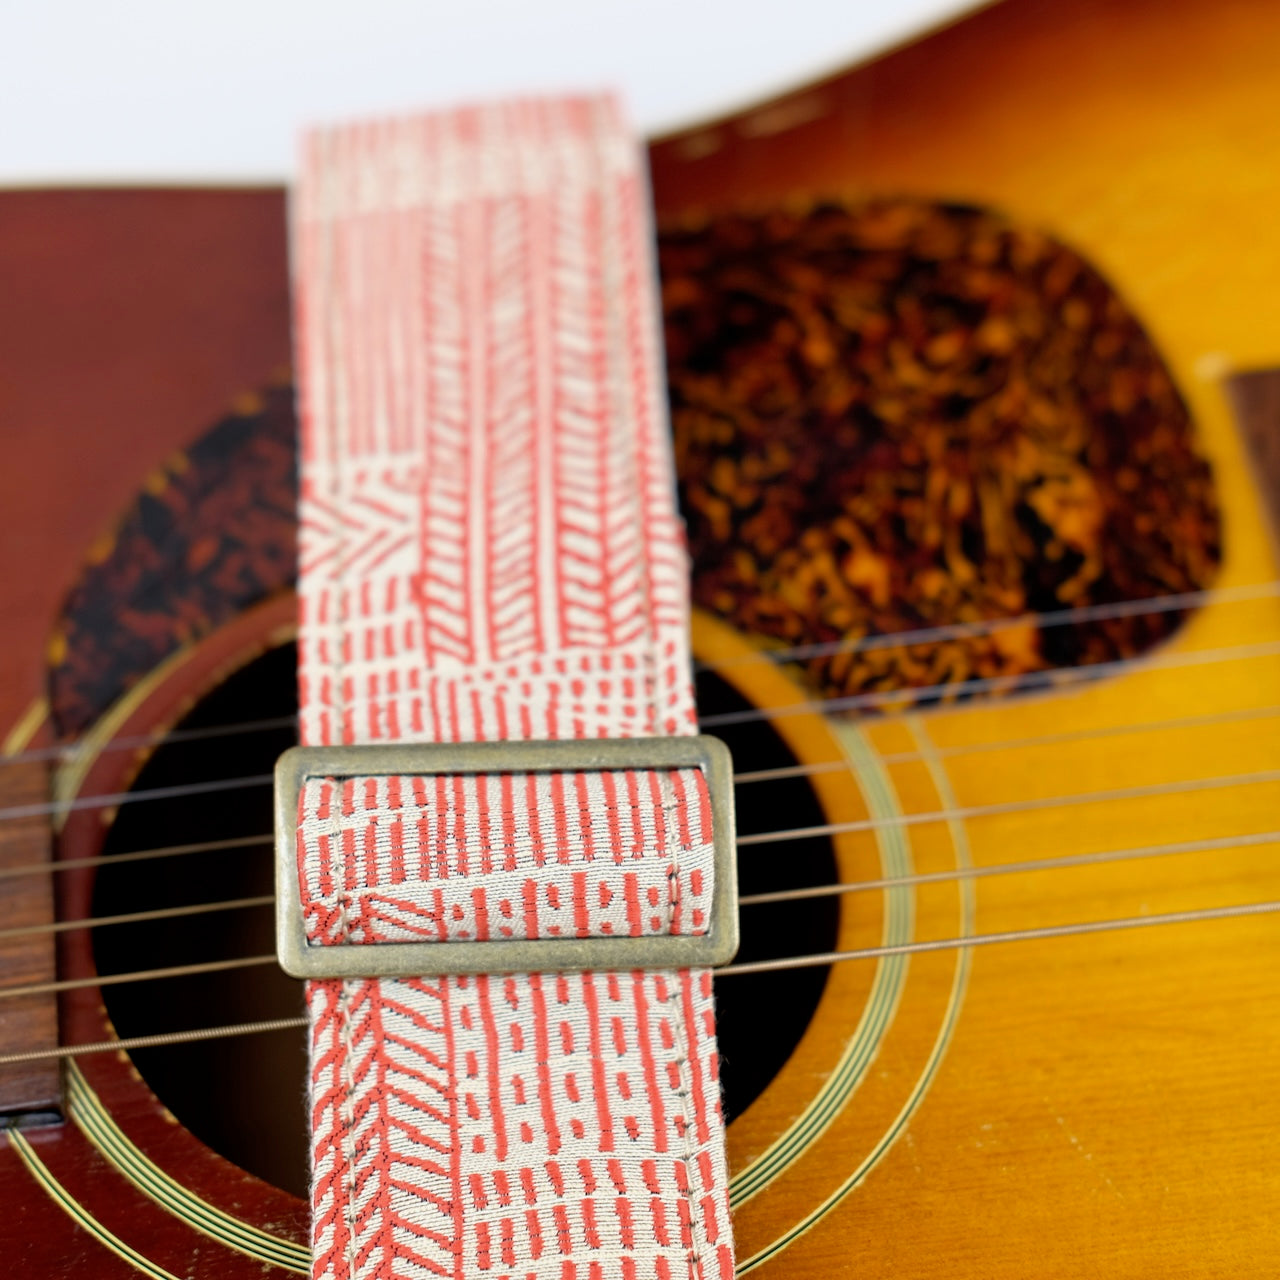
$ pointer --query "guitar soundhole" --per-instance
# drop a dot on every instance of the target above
(243, 1096)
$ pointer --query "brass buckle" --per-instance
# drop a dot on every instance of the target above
(539, 955)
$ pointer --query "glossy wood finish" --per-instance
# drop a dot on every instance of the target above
(1101, 1105)
(28, 1091)
(131, 320)
(1255, 396)
(124, 1175)
(1105, 1105)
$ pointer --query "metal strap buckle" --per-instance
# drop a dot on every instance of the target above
(542, 955)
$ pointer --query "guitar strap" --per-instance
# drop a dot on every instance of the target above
(490, 553)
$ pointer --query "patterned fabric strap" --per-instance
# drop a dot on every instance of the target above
(412, 859)
(490, 550)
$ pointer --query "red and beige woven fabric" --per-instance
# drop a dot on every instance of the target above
(543, 855)
(490, 550)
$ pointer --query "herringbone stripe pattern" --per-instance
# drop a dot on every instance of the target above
(490, 550)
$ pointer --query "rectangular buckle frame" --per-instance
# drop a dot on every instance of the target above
(518, 955)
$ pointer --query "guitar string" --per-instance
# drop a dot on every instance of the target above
(1041, 621)
(745, 778)
(137, 975)
(967, 813)
(135, 855)
(761, 775)
(819, 958)
(1051, 680)
(70, 751)
(1003, 807)
(1064, 861)
(1018, 744)
(1044, 620)
(77, 923)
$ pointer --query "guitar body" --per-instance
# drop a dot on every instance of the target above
(1096, 1103)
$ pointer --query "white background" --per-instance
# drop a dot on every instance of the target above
(154, 90)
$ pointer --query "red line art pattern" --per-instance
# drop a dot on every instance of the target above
(412, 859)
(490, 550)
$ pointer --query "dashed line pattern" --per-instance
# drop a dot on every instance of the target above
(490, 550)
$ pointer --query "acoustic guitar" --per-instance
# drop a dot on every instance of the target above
(971, 358)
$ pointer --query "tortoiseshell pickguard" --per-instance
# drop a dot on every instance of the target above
(901, 414)
(887, 416)
(213, 532)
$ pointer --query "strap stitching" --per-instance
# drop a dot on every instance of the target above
(674, 847)
(348, 1097)
(657, 685)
